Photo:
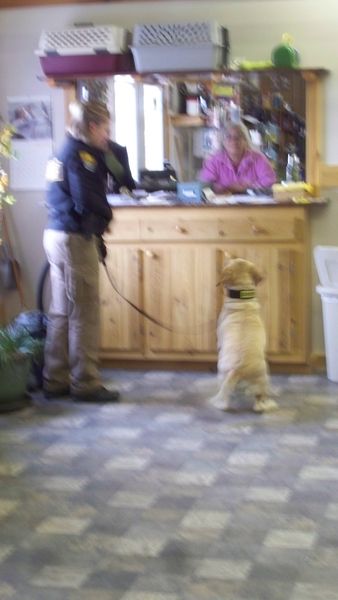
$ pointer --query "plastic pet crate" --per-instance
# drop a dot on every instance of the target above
(85, 51)
(179, 46)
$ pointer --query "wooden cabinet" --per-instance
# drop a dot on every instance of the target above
(180, 291)
(283, 298)
(168, 260)
(121, 325)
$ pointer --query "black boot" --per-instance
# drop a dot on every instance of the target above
(101, 395)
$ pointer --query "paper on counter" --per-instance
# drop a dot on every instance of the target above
(121, 200)
(241, 199)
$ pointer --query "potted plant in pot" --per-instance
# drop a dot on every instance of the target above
(17, 351)
(21, 342)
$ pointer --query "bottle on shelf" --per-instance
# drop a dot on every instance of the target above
(204, 99)
(296, 171)
(182, 97)
(193, 105)
(289, 168)
(293, 168)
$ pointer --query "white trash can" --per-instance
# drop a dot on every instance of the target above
(326, 259)
(329, 297)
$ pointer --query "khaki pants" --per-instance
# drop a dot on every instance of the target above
(71, 350)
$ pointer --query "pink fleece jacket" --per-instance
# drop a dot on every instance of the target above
(254, 170)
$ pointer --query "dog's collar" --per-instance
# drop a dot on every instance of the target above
(242, 294)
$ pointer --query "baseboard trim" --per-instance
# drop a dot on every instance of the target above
(318, 363)
(156, 365)
(315, 365)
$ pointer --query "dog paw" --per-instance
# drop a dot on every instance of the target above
(274, 391)
(266, 405)
(219, 403)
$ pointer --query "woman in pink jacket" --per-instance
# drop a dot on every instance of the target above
(237, 166)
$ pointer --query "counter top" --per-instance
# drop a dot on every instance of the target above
(170, 200)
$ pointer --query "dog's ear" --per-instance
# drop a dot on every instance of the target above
(227, 259)
(256, 275)
(228, 256)
(227, 274)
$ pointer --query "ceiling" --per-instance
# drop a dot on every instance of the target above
(27, 3)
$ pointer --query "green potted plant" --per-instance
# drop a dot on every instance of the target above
(19, 348)
(6, 134)
(17, 351)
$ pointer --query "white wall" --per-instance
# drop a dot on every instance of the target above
(255, 26)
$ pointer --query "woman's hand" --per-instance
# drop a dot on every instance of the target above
(236, 188)
(239, 187)
(220, 189)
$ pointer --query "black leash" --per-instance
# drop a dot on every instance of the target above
(42, 283)
(145, 314)
(232, 294)
(134, 306)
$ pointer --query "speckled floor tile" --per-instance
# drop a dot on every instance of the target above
(162, 497)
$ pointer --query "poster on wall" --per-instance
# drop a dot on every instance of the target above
(32, 141)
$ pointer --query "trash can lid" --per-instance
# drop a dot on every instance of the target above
(327, 291)
(326, 260)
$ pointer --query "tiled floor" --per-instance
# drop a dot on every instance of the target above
(164, 498)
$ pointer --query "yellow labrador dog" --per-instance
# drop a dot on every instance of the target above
(241, 338)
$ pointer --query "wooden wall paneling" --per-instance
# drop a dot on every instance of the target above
(313, 121)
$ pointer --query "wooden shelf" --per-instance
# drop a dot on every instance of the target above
(218, 75)
(188, 121)
(193, 76)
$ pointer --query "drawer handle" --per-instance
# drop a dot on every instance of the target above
(150, 254)
(257, 230)
(181, 229)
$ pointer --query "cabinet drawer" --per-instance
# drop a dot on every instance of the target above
(179, 229)
(262, 228)
(120, 229)
(236, 225)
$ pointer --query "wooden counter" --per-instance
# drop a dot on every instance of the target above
(168, 261)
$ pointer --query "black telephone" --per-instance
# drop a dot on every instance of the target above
(153, 181)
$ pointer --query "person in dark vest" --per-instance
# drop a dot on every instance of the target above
(78, 215)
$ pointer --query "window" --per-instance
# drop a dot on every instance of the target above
(137, 117)
(123, 108)
(137, 111)
(153, 127)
